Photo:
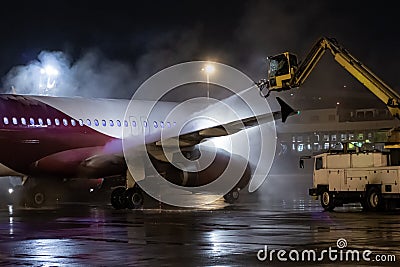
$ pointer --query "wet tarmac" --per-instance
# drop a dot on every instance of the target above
(94, 234)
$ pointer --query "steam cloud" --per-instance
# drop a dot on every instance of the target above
(95, 75)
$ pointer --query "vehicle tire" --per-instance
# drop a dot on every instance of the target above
(327, 200)
(232, 196)
(133, 198)
(117, 198)
(373, 199)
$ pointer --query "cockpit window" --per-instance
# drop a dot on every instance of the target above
(278, 66)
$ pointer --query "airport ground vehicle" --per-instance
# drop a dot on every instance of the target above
(348, 177)
(371, 178)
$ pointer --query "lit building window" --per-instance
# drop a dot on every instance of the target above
(300, 147)
(333, 137)
(351, 137)
(360, 136)
(343, 137)
(326, 145)
(326, 137)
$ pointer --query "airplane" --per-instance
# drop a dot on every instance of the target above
(48, 139)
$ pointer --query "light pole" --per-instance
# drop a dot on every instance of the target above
(208, 69)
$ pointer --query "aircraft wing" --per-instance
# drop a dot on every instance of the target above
(194, 138)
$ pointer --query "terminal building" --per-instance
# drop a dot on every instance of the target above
(319, 130)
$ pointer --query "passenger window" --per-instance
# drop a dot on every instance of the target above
(103, 122)
(48, 121)
(318, 163)
(145, 124)
(111, 123)
(57, 121)
(134, 123)
(168, 124)
(80, 122)
(40, 121)
(65, 122)
(96, 122)
(155, 124)
(5, 120)
(118, 123)
(174, 123)
(14, 120)
(161, 124)
(126, 123)
(88, 122)
(73, 122)
(23, 121)
(31, 121)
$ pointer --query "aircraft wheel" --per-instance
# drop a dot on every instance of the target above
(232, 196)
(117, 198)
(36, 197)
(134, 198)
(327, 200)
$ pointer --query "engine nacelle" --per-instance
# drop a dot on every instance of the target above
(211, 173)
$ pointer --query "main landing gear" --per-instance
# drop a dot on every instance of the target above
(127, 198)
(232, 196)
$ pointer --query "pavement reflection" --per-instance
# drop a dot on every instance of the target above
(76, 234)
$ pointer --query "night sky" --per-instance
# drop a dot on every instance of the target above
(140, 38)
